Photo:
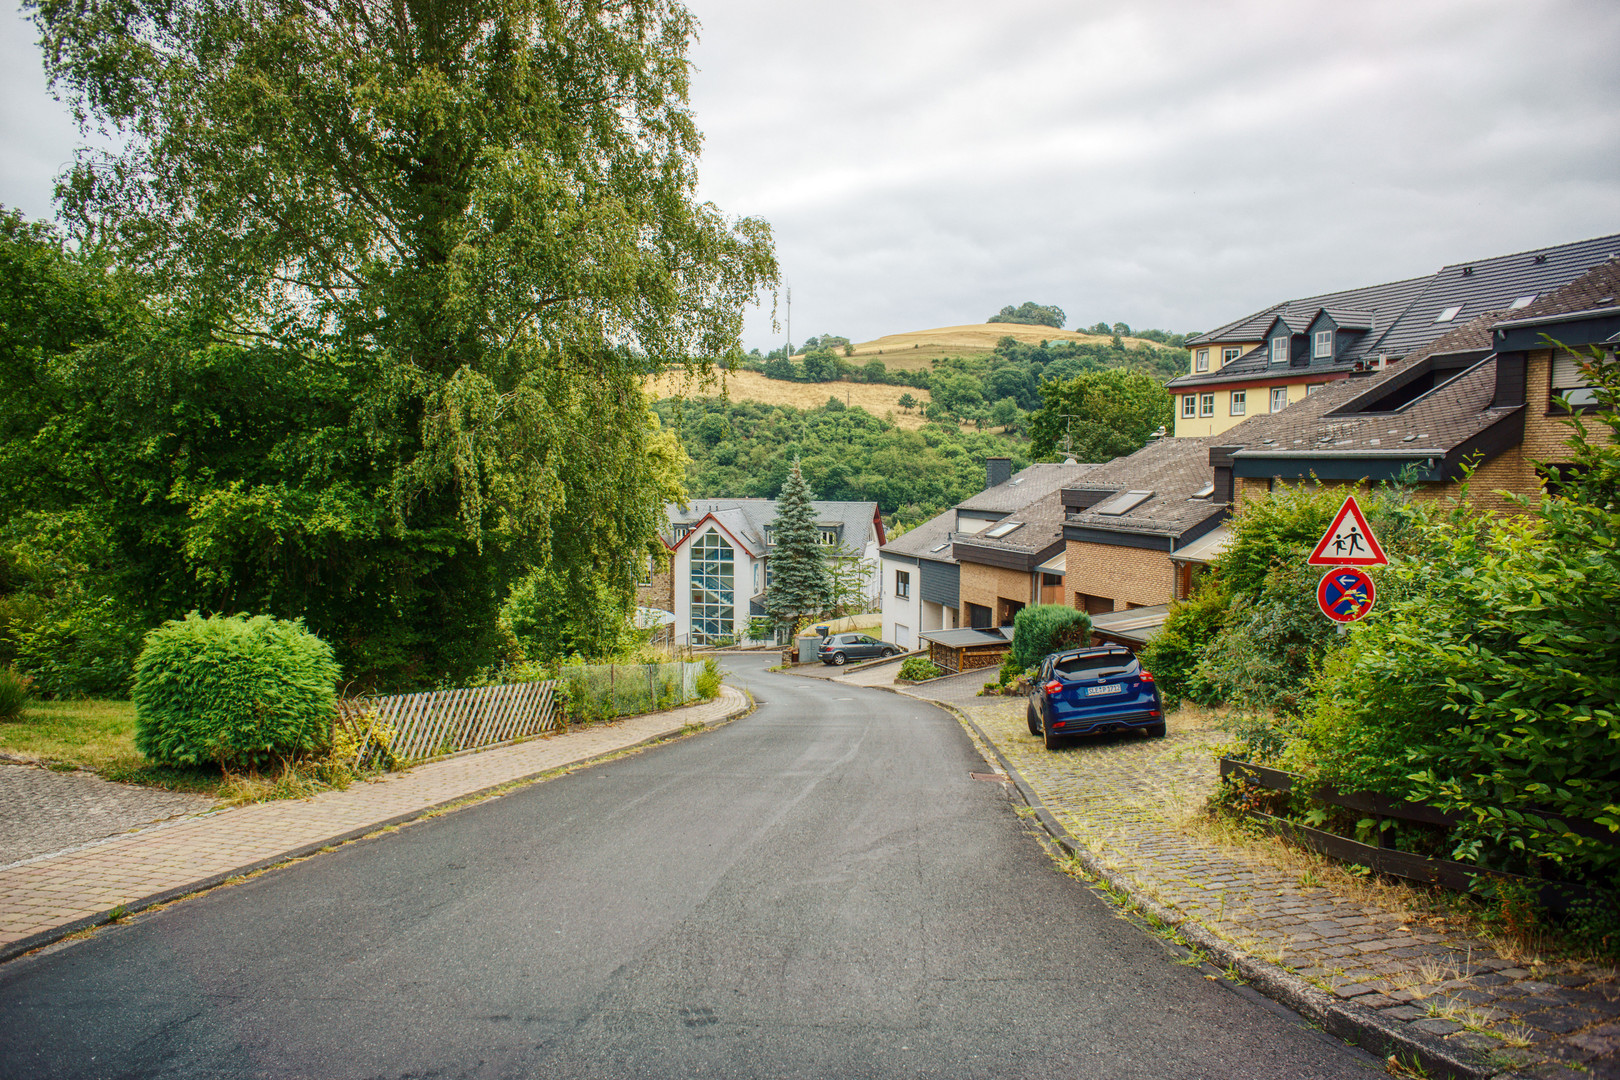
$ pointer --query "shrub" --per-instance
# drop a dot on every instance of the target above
(1174, 653)
(920, 669)
(240, 692)
(708, 680)
(1046, 628)
(14, 692)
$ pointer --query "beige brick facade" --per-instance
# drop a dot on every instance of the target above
(989, 586)
(1124, 575)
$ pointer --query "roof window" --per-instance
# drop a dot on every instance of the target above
(1447, 314)
(1003, 529)
(1522, 302)
(1204, 492)
(1124, 504)
(942, 547)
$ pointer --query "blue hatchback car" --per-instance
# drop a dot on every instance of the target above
(1092, 691)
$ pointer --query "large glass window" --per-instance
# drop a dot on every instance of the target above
(714, 591)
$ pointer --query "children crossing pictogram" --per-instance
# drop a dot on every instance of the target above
(1349, 541)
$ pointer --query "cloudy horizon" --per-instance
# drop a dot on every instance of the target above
(1166, 164)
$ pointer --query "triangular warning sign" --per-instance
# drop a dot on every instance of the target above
(1348, 541)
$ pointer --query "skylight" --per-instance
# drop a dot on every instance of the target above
(941, 547)
(1204, 492)
(1123, 504)
(1003, 529)
(1521, 302)
(1447, 314)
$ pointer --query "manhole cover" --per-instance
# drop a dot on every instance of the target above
(995, 776)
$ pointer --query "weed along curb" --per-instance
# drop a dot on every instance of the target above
(736, 704)
(1345, 1020)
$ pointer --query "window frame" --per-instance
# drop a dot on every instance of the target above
(902, 584)
(1206, 405)
(1240, 403)
(1322, 345)
(1189, 406)
(1201, 360)
(1281, 349)
(1275, 390)
(1229, 354)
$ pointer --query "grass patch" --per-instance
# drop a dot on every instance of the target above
(94, 735)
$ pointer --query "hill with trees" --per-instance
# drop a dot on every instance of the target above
(1032, 314)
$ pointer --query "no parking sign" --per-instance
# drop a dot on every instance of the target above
(1345, 594)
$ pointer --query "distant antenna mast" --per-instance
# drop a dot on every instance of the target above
(789, 355)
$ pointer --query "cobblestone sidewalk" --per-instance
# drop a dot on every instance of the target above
(43, 812)
(46, 899)
(1130, 803)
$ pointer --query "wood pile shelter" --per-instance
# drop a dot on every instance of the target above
(966, 650)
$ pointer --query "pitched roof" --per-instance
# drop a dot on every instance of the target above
(1403, 314)
(1174, 470)
(920, 542)
(1025, 487)
(746, 519)
(1593, 291)
(1041, 526)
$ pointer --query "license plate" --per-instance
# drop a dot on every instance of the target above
(1099, 691)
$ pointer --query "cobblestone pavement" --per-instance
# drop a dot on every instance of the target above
(41, 900)
(42, 812)
(1132, 803)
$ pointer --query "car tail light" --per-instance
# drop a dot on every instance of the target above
(1146, 676)
(1153, 712)
(1053, 688)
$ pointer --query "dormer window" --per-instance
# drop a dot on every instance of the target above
(1201, 360)
(1279, 349)
(1229, 354)
(681, 531)
(829, 537)
(1324, 345)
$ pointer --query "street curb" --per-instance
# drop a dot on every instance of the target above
(1342, 1019)
(12, 950)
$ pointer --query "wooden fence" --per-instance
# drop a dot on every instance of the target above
(1404, 864)
(411, 727)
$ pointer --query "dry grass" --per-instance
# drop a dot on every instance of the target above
(90, 734)
(919, 348)
(877, 399)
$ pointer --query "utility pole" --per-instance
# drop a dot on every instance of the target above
(789, 355)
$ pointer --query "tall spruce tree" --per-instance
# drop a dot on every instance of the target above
(801, 587)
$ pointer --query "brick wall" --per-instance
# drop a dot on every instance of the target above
(986, 585)
(661, 593)
(1125, 575)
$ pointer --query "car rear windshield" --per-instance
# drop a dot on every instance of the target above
(1095, 666)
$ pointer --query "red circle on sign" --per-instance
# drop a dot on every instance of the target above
(1345, 594)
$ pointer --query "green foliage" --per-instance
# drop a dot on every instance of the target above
(240, 692)
(1031, 313)
(1485, 683)
(552, 614)
(708, 680)
(919, 668)
(1046, 628)
(595, 693)
(1098, 416)
(801, 585)
(1176, 651)
(15, 690)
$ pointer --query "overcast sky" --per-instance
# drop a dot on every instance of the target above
(1173, 164)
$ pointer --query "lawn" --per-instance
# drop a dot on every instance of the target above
(95, 735)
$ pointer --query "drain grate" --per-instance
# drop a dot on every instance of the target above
(999, 778)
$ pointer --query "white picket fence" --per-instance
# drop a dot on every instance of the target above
(416, 726)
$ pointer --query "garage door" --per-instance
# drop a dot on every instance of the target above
(902, 637)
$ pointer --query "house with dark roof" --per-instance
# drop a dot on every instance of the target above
(1484, 403)
(1275, 357)
(719, 571)
(980, 562)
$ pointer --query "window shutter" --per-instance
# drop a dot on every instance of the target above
(1565, 373)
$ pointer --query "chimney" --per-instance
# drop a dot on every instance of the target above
(997, 470)
(1220, 460)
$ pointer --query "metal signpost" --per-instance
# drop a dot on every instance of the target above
(1346, 593)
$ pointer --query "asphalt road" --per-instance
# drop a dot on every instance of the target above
(817, 890)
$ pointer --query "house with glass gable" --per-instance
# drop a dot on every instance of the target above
(719, 568)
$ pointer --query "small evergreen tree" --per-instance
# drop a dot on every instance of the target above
(801, 587)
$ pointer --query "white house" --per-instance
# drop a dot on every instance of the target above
(720, 552)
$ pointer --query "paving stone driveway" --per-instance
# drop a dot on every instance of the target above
(42, 812)
(1132, 802)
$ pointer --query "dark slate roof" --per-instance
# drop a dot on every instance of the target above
(1402, 313)
(746, 519)
(1594, 291)
(919, 543)
(1440, 420)
(1025, 487)
(1174, 470)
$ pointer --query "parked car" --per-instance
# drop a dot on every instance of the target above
(1092, 691)
(840, 649)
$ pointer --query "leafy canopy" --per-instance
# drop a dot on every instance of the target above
(1098, 415)
(1032, 314)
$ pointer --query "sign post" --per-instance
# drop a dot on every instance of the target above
(1346, 593)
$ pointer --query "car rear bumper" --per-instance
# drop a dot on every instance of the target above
(1097, 725)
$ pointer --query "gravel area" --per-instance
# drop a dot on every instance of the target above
(43, 812)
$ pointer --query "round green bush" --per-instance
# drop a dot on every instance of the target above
(240, 692)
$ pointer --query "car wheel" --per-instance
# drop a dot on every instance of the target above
(839, 659)
(1155, 731)
(888, 653)
(1034, 720)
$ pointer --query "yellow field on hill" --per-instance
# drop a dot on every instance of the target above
(876, 399)
(917, 348)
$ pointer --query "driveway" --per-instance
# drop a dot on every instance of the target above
(818, 890)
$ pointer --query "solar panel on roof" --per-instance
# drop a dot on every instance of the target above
(1124, 504)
